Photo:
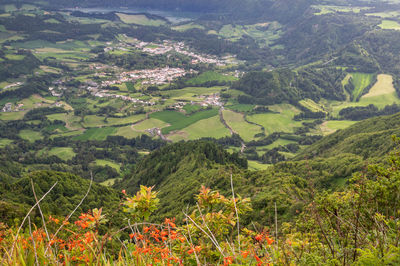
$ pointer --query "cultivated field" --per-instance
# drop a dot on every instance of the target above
(329, 127)
(210, 76)
(360, 82)
(100, 133)
(179, 121)
(389, 25)
(139, 20)
(210, 127)
(384, 85)
(30, 135)
(240, 126)
(64, 153)
(108, 163)
(277, 122)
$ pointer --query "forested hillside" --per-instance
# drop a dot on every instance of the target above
(199, 132)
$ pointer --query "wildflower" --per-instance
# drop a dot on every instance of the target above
(258, 237)
(245, 254)
(131, 236)
(269, 240)
(124, 191)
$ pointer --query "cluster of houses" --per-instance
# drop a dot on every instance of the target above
(206, 100)
(157, 76)
(8, 107)
(94, 89)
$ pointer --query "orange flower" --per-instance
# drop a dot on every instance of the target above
(245, 254)
(146, 229)
(269, 240)
(124, 191)
(131, 236)
(258, 237)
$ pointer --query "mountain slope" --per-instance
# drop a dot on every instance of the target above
(368, 138)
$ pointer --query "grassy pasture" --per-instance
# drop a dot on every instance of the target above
(330, 127)
(179, 121)
(127, 132)
(239, 125)
(191, 93)
(381, 94)
(30, 135)
(110, 182)
(149, 123)
(191, 108)
(240, 107)
(16, 57)
(67, 134)
(360, 82)
(12, 115)
(277, 122)
(140, 20)
(312, 106)
(389, 25)
(255, 166)
(265, 33)
(5, 142)
(279, 142)
(327, 9)
(210, 76)
(100, 133)
(108, 163)
(96, 121)
(384, 85)
(210, 127)
(64, 153)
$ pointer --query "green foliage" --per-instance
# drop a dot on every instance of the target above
(143, 204)
(368, 138)
(287, 86)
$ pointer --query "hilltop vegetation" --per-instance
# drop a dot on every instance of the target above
(255, 104)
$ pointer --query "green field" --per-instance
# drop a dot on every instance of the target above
(311, 105)
(96, 121)
(240, 126)
(179, 121)
(240, 107)
(380, 95)
(191, 93)
(277, 122)
(127, 132)
(327, 9)
(5, 142)
(330, 127)
(360, 82)
(279, 142)
(108, 163)
(188, 26)
(64, 153)
(210, 127)
(255, 166)
(149, 123)
(100, 133)
(264, 33)
(12, 115)
(210, 76)
(191, 108)
(110, 182)
(30, 135)
(140, 20)
(389, 25)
